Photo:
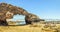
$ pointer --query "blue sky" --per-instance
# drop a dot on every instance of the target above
(45, 9)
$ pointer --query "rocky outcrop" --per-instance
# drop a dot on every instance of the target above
(7, 11)
(30, 18)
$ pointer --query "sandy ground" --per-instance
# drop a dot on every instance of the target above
(26, 28)
(18, 29)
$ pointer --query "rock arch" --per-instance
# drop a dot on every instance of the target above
(7, 11)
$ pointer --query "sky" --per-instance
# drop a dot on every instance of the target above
(45, 9)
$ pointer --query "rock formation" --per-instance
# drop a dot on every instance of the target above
(30, 18)
(7, 11)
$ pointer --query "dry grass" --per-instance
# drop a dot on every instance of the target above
(18, 29)
(27, 28)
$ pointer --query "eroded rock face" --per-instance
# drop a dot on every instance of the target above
(7, 11)
(3, 22)
(30, 18)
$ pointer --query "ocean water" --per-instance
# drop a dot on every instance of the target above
(21, 22)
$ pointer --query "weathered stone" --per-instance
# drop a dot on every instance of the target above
(13, 10)
(30, 18)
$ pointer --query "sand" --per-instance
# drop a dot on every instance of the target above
(26, 28)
